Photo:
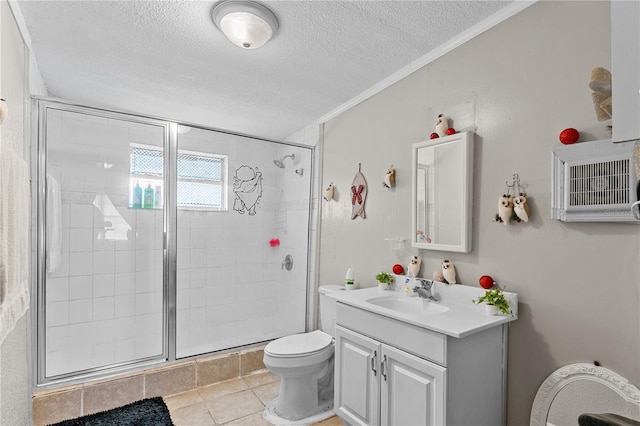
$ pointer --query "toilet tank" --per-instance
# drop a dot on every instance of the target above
(328, 308)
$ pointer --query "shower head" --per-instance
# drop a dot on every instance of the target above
(280, 162)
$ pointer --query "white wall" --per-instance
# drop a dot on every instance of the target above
(517, 86)
(15, 386)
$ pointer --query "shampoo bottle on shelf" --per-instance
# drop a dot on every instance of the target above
(157, 200)
(136, 202)
(148, 197)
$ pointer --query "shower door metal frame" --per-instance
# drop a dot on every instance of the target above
(39, 168)
(170, 213)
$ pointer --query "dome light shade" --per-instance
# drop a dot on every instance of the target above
(246, 24)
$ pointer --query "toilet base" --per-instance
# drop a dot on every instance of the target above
(322, 413)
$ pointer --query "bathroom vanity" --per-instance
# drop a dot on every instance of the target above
(409, 361)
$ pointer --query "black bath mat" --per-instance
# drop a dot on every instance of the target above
(146, 412)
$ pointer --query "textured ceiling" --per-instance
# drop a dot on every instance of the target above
(167, 58)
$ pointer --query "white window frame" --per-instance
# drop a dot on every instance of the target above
(155, 179)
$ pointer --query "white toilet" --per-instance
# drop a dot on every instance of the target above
(304, 363)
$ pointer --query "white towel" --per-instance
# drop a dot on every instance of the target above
(14, 240)
(54, 224)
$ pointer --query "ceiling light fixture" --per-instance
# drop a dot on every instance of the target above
(246, 24)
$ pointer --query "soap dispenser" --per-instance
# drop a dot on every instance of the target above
(350, 279)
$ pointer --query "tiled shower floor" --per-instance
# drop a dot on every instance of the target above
(239, 401)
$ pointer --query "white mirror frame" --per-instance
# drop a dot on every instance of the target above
(465, 195)
(570, 373)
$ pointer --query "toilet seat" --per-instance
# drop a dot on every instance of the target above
(297, 345)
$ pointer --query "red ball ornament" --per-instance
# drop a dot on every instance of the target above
(486, 282)
(450, 131)
(434, 135)
(569, 136)
(398, 269)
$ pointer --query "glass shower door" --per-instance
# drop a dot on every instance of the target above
(102, 288)
(239, 215)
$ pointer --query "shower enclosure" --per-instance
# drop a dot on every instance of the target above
(158, 241)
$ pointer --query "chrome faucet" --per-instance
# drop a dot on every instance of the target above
(424, 289)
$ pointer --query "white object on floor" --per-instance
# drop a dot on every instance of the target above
(272, 417)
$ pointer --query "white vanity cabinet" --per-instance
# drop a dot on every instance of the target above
(389, 372)
(625, 69)
(380, 384)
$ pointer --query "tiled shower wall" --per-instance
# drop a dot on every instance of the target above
(231, 287)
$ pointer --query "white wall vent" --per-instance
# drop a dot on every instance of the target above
(594, 182)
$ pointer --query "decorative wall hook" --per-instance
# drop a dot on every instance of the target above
(358, 194)
(328, 193)
(389, 177)
(512, 205)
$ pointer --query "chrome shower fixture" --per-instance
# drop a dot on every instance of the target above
(280, 162)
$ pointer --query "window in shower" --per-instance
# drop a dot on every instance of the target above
(201, 179)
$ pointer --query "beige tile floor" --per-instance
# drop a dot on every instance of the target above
(234, 402)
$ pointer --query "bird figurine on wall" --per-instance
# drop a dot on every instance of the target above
(449, 272)
(505, 208)
(389, 177)
(442, 125)
(328, 193)
(413, 268)
(520, 207)
(4, 110)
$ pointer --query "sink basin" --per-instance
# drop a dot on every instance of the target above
(414, 305)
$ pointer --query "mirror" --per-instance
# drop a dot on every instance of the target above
(442, 193)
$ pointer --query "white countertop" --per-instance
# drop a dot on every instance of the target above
(462, 318)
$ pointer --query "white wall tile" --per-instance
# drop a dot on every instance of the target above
(145, 304)
(103, 285)
(80, 263)
(145, 282)
(145, 259)
(125, 305)
(80, 287)
(103, 308)
(124, 283)
(81, 216)
(80, 311)
(104, 262)
(125, 261)
(57, 289)
(57, 314)
(80, 239)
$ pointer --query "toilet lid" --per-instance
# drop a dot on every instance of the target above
(299, 344)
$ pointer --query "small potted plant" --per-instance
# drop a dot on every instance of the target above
(495, 301)
(385, 280)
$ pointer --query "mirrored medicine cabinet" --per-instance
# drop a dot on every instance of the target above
(442, 187)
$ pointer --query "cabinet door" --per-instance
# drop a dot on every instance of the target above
(625, 69)
(412, 390)
(357, 388)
